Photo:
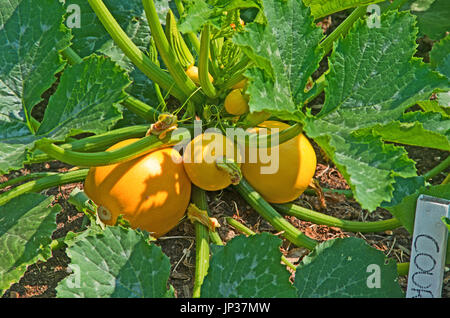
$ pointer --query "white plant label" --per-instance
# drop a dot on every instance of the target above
(428, 249)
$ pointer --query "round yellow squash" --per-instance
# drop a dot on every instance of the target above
(200, 161)
(192, 73)
(235, 103)
(296, 167)
(152, 192)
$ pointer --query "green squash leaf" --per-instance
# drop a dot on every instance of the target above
(247, 267)
(347, 268)
(373, 79)
(321, 8)
(26, 226)
(405, 210)
(430, 129)
(286, 52)
(118, 263)
(91, 104)
(30, 39)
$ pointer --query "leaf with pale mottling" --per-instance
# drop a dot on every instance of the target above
(373, 79)
(30, 39)
(26, 226)
(248, 267)
(321, 8)
(286, 52)
(117, 263)
(347, 268)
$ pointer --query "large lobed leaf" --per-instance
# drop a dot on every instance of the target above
(432, 16)
(286, 52)
(321, 8)
(344, 268)
(406, 208)
(373, 79)
(91, 92)
(86, 98)
(247, 267)
(26, 226)
(30, 38)
(117, 263)
(91, 37)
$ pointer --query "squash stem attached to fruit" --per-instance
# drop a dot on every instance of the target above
(291, 233)
(139, 58)
(271, 140)
(44, 183)
(198, 197)
(231, 168)
(94, 143)
(346, 225)
(140, 147)
(242, 228)
(203, 63)
(170, 60)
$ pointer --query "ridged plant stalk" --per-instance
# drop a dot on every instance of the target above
(201, 242)
(170, 60)
(343, 28)
(203, 63)
(290, 232)
(131, 151)
(44, 183)
(346, 225)
(94, 143)
(142, 61)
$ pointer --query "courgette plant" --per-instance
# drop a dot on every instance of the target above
(114, 67)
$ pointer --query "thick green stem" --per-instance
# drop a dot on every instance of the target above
(191, 36)
(446, 180)
(242, 228)
(203, 63)
(138, 57)
(290, 232)
(346, 225)
(24, 178)
(342, 29)
(44, 183)
(141, 109)
(438, 169)
(140, 147)
(348, 193)
(202, 242)
(317, 89)
(71, 56)
(272, 140)
(94, 143)
(170, 60)
(402, 269)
